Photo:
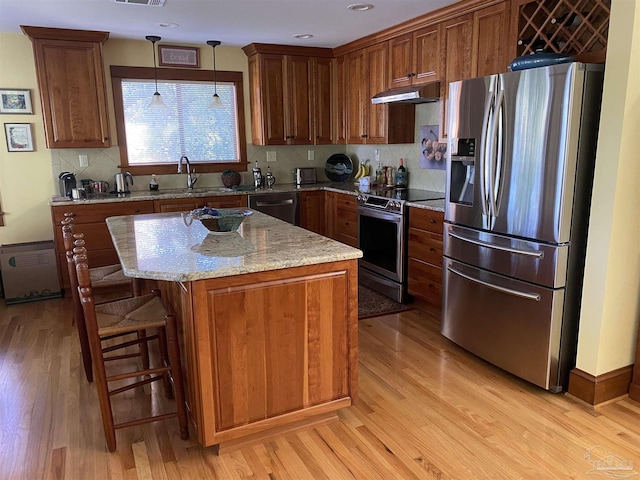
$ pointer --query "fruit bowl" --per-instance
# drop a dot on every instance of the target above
(221, 220)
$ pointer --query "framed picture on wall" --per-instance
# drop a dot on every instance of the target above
(176, 56)
(15, 101)
(18, 137)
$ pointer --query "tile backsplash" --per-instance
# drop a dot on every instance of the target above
(103, 163)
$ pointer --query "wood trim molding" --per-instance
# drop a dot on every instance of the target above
(64, 34)
(254, 48)
(595, 390)
(431, 18)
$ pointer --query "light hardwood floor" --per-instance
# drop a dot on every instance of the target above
(427, 410)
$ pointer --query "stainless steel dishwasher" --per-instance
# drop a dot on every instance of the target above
(282, 205)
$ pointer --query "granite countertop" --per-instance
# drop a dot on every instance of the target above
(342, 187)
(437, 205)
(160, 246)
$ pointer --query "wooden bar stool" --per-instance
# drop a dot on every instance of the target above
(101, 277)
(126, 316)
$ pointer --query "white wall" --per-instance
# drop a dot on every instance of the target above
(611, 296)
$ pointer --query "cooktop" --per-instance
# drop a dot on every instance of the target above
(405, 194)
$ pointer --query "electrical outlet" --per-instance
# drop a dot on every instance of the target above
(84, 160)
(272, 156)
(310, 155)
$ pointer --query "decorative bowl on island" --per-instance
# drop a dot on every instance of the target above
(220, 220)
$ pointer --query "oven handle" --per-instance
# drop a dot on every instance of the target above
(509, 291)
(481, 243)
(381, 214)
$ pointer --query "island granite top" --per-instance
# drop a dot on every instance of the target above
(161, 246)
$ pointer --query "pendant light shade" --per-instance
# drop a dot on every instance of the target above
(156, 101)
(215, 100)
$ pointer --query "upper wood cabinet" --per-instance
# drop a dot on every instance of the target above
(473, 45)
(490, 29)
(414, 58)
(367, 71)
(71, 81)
(456, 49)
(339, 100)
(290, 95)
(322, 71)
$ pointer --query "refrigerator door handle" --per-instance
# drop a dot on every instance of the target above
(509, 291)
(481, 243)
(484, 146)
(496, 157)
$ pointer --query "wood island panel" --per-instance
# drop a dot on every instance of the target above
(267, 349)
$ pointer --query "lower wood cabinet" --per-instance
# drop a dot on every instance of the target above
(188, 204)
(424, 277)
(342, 218)
(266, 349)
(90, 221)
(312, 208)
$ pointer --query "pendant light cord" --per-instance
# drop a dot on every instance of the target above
(155, 69)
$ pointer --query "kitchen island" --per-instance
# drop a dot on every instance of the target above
(267, 318)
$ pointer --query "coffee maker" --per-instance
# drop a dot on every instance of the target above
(67, 181)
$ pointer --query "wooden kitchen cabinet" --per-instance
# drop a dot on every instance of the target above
(70, 72)
(456, 49)
(366, 73)
(312, 207)
(414, 58)
(322, 71)
(424, 276)
(290, 95)
(342, 218)
(473, 45)
(188, 204)
(89, 219)
(340, 87)
(490, 52)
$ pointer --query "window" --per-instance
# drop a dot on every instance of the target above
(152, 139)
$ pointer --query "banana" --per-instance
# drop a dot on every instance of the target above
(367, 170)
(360, 173)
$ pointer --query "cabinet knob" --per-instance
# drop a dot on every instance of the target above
(105, 139)
(432, 221)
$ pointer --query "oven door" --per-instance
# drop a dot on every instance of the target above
(381, 239)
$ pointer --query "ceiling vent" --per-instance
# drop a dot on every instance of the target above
(147, 3)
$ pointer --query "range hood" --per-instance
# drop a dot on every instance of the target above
(427, 93)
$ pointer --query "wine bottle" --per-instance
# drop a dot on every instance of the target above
(401, 167)
(569, 19)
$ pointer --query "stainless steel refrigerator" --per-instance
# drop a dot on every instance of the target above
(519, 177)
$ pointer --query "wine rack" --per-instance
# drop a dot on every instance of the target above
(571, 27)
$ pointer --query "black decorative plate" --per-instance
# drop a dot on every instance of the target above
(338, 167)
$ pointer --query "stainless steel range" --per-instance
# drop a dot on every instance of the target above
(382, 233)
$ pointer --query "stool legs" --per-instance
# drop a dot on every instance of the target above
(176, 372)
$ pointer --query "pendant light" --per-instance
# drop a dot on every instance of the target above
(215, 101)
(156, 101)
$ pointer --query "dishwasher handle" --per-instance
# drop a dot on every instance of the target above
(278, 203)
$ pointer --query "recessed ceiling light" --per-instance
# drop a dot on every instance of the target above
(302, 36)
(168, 25)
(360, 7)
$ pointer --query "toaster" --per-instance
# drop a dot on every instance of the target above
(304, 175)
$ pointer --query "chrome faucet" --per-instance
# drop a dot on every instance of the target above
(191, 178)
